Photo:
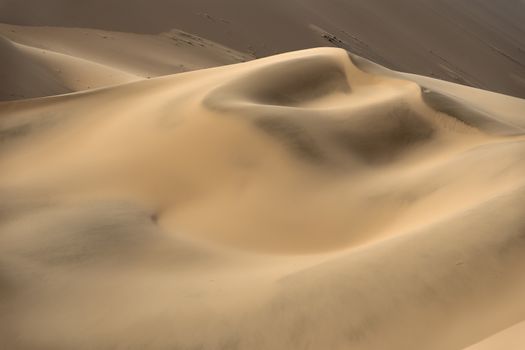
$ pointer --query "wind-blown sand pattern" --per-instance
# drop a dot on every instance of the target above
(45, 61)
(309, 200)
(478, 43)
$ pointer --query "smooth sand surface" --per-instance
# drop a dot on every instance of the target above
(308, 200)
(476, 42)
(512, 338)
(45, 61)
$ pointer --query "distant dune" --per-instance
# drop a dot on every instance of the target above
(45, 61)
(477, 42)
(309, 200)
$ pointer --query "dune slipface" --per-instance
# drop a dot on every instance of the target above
(477, 42)
(46, 61)
(299, 201)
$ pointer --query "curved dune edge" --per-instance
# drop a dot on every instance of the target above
(292, 202)
(46, 61)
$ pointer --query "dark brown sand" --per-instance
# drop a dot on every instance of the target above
(479, 43)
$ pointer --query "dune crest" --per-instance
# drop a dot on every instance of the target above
(46, 61)
(235, 207)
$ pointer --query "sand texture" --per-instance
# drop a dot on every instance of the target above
(479, 43)
(308, 200)
(45, 61)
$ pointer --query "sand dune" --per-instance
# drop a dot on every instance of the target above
(21, 65)
(29, 72)
(310, 200)
(477, 42)
(45, 61)
(510, 339)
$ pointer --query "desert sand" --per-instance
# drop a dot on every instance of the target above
(62, 60)
(307, 200)
(476, 42)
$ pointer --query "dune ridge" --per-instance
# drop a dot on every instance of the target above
(297, 201)
(46, 61)
(477, 43)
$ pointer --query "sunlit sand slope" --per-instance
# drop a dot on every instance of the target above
(477, 42)
(45, 61)
(292, 202)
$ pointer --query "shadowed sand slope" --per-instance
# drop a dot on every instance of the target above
(44, 61)
(477, 42)
(291, 202)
